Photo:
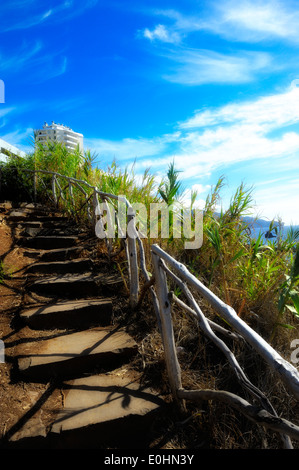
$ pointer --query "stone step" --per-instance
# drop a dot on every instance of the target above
(71, 355)
(59, 254)
(46, 224)
(69, 314)
(96, 412)
(106, 409)
(68, 286)
(79, 265)
(21, 216)
(63, 230)
(48, 242)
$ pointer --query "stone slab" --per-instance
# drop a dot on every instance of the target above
(79, 265)
(60, 254)
(49, 242)
(72, 354)
(69, 314)
(67, 286)
(99, 400)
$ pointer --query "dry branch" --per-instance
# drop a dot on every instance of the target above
(287, 372)
(254, 413)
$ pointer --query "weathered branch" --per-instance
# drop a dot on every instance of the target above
(172, 364)
(134, 285)
(204, 325)
(254, 413)
(213, 325)
(148, 284)
(287, 372)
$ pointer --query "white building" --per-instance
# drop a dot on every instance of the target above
(59, 133)
(8, 149)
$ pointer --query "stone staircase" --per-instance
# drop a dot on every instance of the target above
(80, 352)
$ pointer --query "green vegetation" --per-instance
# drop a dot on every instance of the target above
(259, 280)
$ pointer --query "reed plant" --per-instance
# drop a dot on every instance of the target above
(249, 274)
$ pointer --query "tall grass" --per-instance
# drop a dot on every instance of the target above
(260, 280)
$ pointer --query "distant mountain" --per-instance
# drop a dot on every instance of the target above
(262, 226)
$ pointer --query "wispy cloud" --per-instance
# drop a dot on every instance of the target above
(238, 20)
(127, 149)
(24, 55)
(271, 111)
(20, 138)
(39, 64)
(197, 67)
(21, 17)
(48, 66)
(241, 22)
(253, 21)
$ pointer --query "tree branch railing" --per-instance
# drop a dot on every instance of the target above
(95, 215)
(262, 412)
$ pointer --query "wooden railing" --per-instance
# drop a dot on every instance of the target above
(94, 215)
(163, 265)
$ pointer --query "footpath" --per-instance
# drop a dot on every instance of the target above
(74, 345)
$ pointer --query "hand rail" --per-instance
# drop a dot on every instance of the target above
(129, 241)
(162, 301)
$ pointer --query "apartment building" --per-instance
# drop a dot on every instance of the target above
(7, 149)
(59, 133)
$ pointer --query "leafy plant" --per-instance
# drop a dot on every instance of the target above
(288, 294)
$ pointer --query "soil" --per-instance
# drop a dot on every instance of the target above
(17, 397)
(30, 403)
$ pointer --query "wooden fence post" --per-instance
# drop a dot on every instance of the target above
(133, 260)
(172, 364)
(54, 189)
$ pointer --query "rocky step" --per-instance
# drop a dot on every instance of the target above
(105, 409)
(71, 355)
(67, 286)
(20, 215)
(79, 265)
(41, 231)
(77, 314)
(48, 242)
(98, 411)
(47, 224)
(59, 254)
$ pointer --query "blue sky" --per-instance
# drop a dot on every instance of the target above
(211, 85)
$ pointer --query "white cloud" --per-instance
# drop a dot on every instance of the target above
(270, 112)
(240, 20)
(254, 21)
(212, 140)
(161, 33)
